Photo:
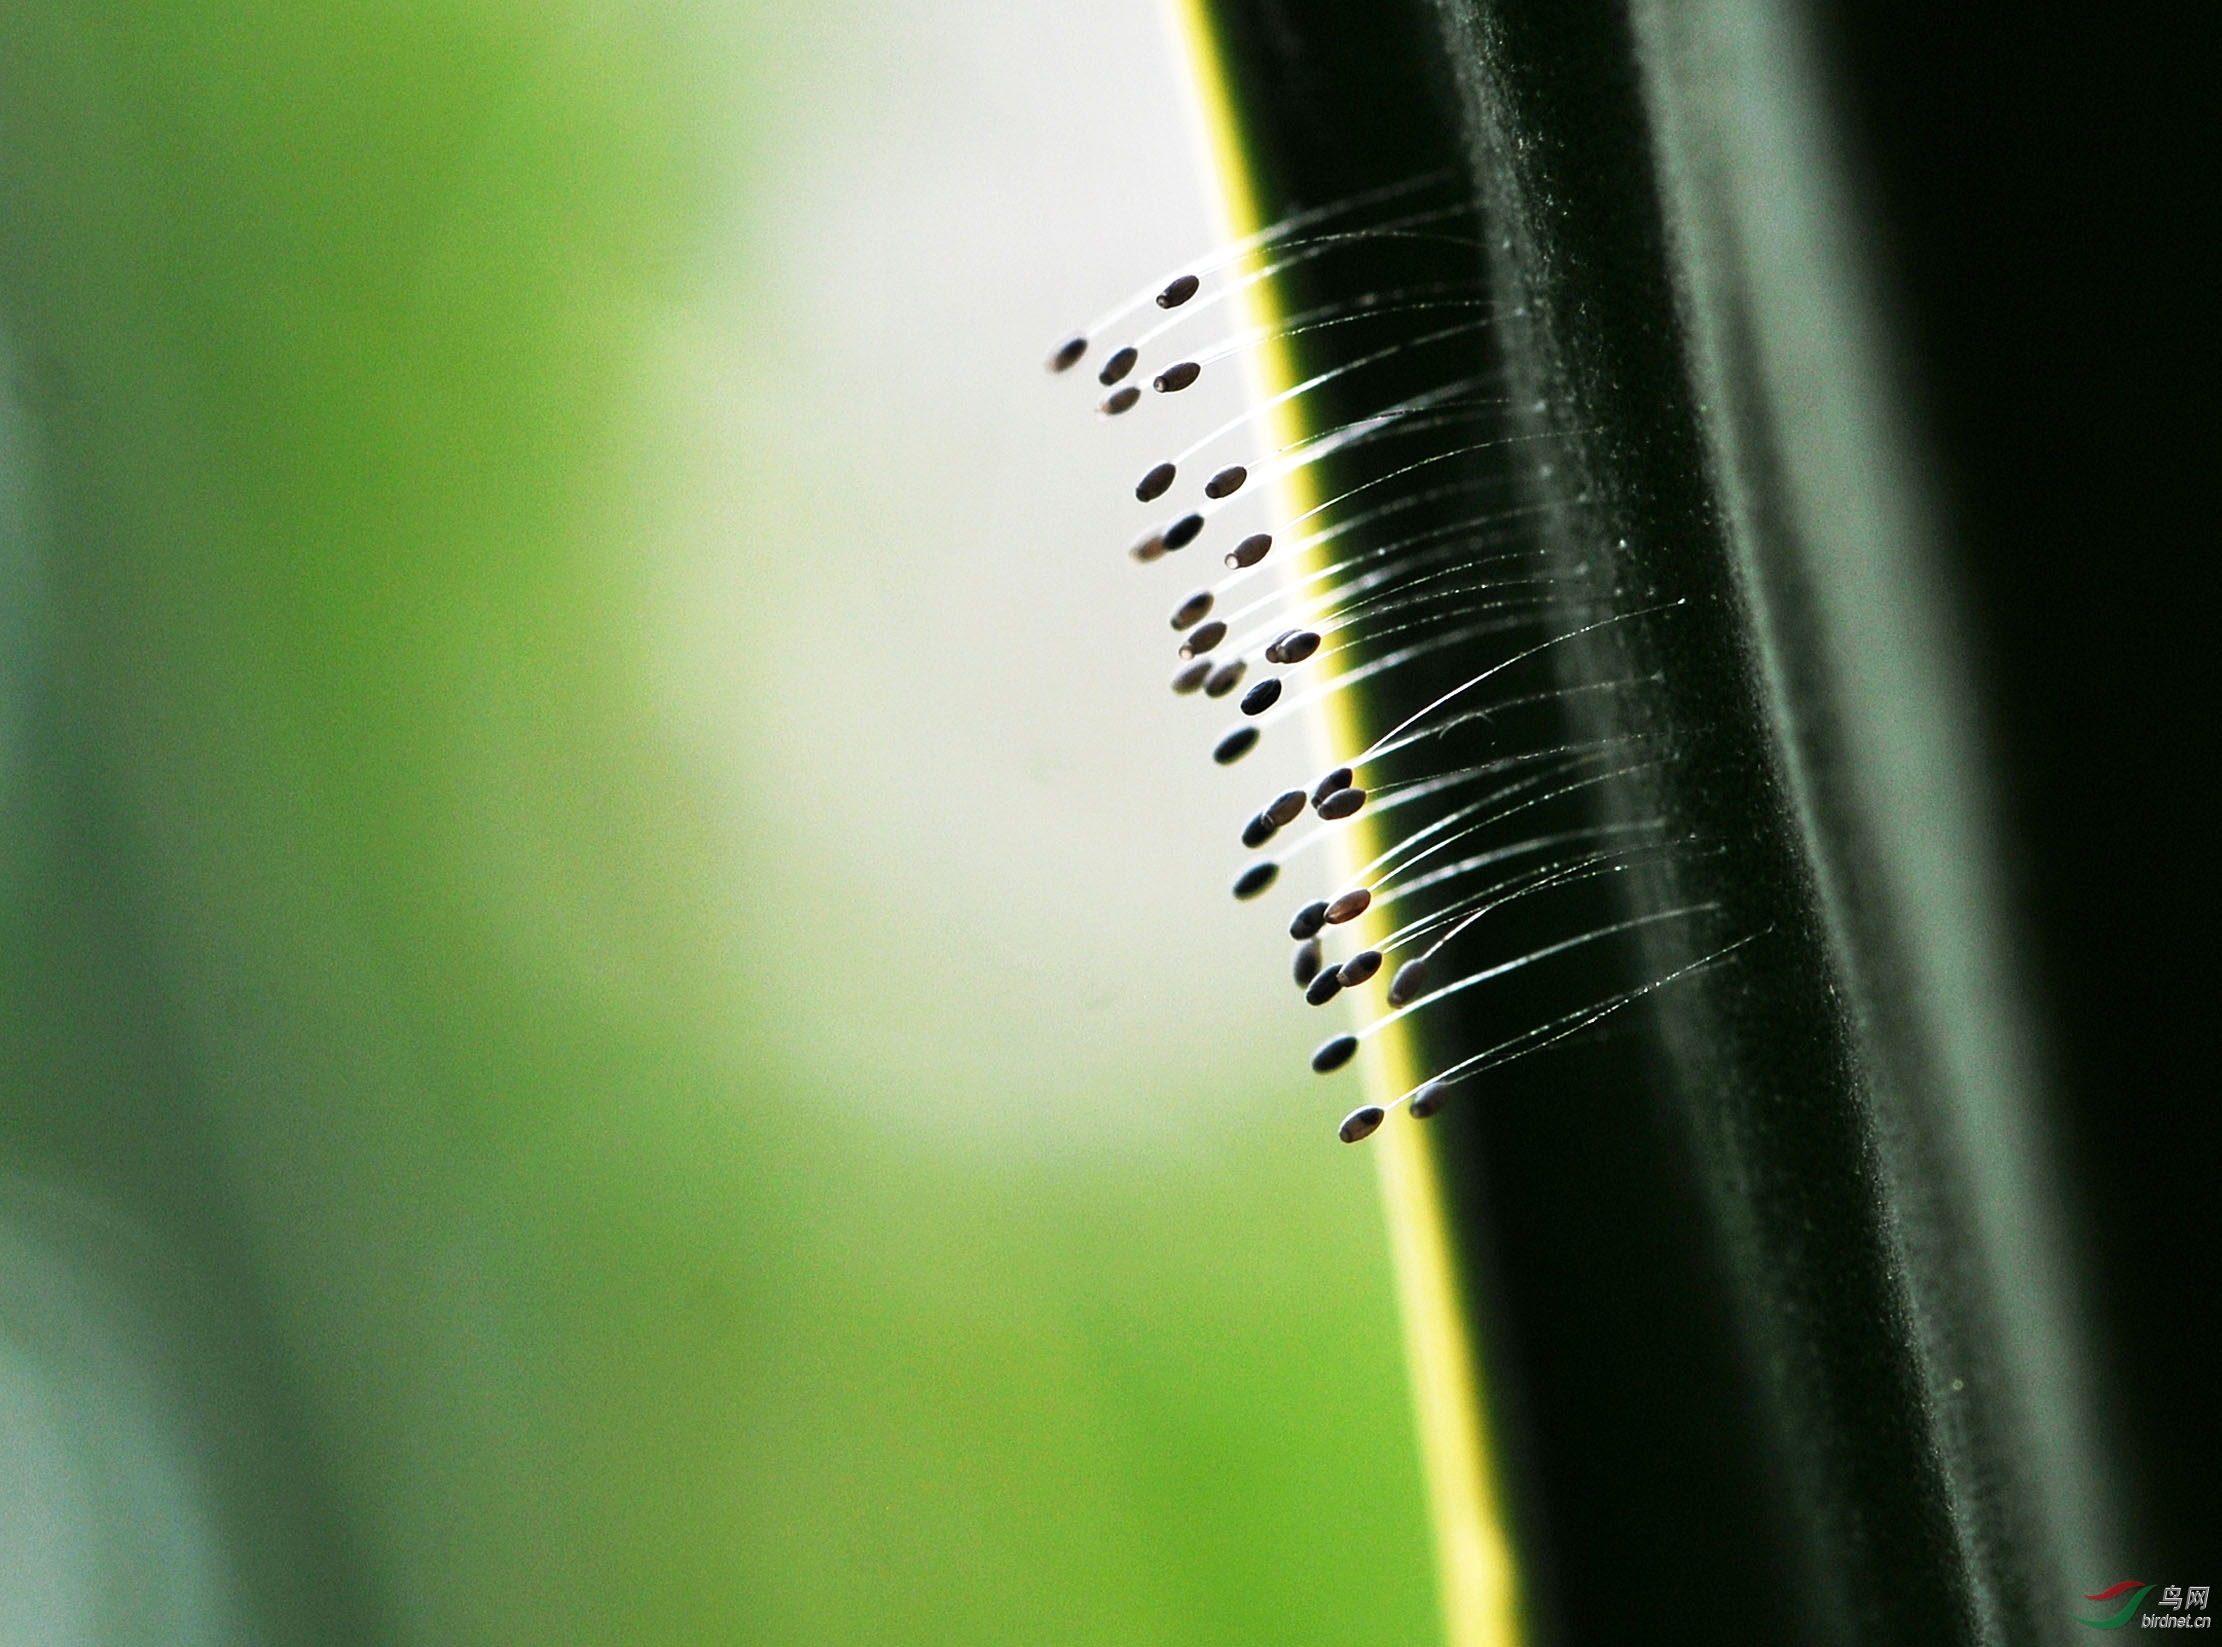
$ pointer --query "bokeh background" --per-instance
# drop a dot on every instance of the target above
(618, 1015)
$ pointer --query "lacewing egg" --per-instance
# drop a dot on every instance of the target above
(1360, 967)
(1235, 745)
(1349, 906)
(1360, 1124)
(1332, 1055)
(1409, 982)
(1203, 638)
(1262, 697)
(1178, 292)
(1255, 880)
(1225, 678)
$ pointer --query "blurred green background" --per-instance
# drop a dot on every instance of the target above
(618, 1018)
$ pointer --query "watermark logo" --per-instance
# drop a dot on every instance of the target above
(2180, 1607)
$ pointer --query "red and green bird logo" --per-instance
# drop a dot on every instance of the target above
(2129, 1607)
